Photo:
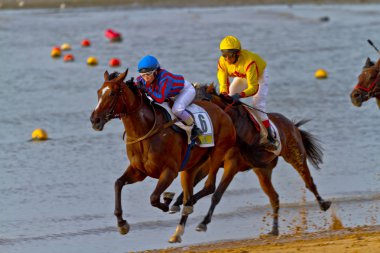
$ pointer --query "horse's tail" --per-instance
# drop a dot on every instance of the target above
(314, 150)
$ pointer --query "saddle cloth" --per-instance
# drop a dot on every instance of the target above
(202, 120)
(263, 132)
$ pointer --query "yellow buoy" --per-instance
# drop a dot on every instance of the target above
(39, 135)
(321, 74)
(55, 52)
(65, 47)
(92, 61)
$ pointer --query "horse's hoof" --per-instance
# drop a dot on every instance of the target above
(187, 210)
(174, 209)
(168, 195)
(175, 239)
(274, 232)
(201, 227)
(124, 229)
(325, 205)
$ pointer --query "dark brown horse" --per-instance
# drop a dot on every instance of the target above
(154, 149)
(297, 146)
(368, 84)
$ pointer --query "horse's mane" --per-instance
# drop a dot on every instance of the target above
(129, 83)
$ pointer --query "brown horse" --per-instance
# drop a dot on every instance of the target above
(298, 146)
(368, 85)
(156, 150)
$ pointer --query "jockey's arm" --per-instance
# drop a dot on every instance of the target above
(222, 78)
(161, 94)
(252, 75)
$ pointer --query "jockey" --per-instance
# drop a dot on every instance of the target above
(160, 84)
(250, 79)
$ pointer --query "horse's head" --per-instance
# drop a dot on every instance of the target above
(114, 99)
(368, 84)
(208, 92)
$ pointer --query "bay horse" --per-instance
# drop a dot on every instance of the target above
(368, 85)
(298, 146)
(156, 150)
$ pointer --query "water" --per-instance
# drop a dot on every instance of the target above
(57, 196)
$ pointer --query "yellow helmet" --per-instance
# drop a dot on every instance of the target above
(230, 43)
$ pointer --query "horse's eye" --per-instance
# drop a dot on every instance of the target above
(112, 94)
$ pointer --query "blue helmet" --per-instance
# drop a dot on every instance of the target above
(148, 63)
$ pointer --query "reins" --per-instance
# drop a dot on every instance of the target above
(368, 90)
(151, 132)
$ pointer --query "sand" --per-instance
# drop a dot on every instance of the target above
(343, 240)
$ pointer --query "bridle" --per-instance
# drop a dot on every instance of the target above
(112, 115)
(371, 91)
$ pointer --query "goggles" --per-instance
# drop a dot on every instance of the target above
(229, 54)
(148, 73)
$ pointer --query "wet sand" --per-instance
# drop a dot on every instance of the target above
(340, 240)
(22, 4)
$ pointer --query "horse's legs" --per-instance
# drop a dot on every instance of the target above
(265, 178)
(300, 164)
(202, 173)
(130, 176)
(166, 178)
(232, 165)
(187, 182)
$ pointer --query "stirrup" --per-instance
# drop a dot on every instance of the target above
(195, 133)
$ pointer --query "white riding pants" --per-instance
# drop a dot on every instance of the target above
(259, 99)
(183, 100)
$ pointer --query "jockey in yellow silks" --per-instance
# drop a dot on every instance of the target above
(250, 79)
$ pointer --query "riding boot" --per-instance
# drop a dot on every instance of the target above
(272, 143)
(195, 133)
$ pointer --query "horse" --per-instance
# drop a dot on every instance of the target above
(154, 149)
(368, 85)
(298, 146)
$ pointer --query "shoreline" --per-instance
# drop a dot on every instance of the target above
(45, 4)
(365, 239)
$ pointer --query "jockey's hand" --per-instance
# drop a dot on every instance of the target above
(235, 98)
(141, 86)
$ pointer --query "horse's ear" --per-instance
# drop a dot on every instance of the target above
(211, 88)
(368, 63)
(123, 75)
(106, 76)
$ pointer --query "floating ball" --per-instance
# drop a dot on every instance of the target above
(92, 61)
(68, 57)
(65, 47)
(114, 62)
(321, 74)
(86, 43)
(55, 52)
(39, 135)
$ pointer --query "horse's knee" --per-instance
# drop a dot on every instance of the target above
(119, 183)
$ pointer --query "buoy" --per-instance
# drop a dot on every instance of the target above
(65, 47)
(114, 62)
(55, 52)
(39, 135)
(92, 61)
(68, 57)
(86, 43)
(321, 74)
(112, 35)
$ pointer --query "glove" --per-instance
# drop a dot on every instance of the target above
(141, 86)
(235, 98)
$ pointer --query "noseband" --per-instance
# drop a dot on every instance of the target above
(369, 91)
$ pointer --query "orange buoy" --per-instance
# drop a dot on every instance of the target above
(112, 35)
(55, 52)
(68, 57)
(86, 43)
(92, 61)
(114, 62)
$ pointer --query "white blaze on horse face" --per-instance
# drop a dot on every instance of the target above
(104, 90)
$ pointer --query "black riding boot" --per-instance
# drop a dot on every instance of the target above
(272, 143)
(195, 132)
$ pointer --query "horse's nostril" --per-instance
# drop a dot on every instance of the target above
(355, 95)
(97, 120)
